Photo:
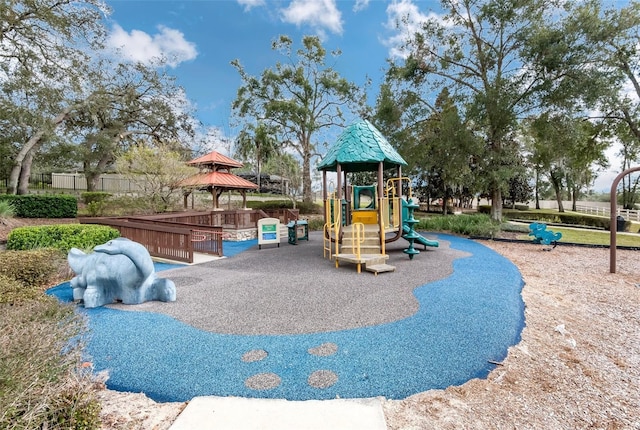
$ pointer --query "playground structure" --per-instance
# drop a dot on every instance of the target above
(360, 219)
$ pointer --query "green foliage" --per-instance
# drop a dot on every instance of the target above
(94, 196)
(270, 204)
(60, 236)
(42, 384)
(42, 206)
(158, 172)
(6, 209)
(316, 224)
(304, 208)
(34, 270)
(309, 208)
(470, 225)
(299, 96)
(14, 292)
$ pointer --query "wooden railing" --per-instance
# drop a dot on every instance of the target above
(232, 219)
(176, 236)
(173, 241)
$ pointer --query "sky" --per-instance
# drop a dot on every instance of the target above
(200, 38)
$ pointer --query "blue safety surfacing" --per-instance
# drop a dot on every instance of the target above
(465, 323)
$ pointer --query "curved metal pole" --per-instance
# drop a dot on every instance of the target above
(613, 225)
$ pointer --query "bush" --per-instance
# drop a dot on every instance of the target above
(43, 385)
(6, 210)
(304, 208)
(470, 225)
(484, 209)
(61, 236)
(94, 196)
(43, 206)
(35, 269)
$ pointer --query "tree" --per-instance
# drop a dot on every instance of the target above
(126, 105)
(286, 166)
(444, 150)
(566, 149)
(476, 50)
(257, 143)
(42, 48)
(157, 171)
(298, 99)
(595, 54)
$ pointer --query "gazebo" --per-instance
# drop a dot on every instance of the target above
(215, 176)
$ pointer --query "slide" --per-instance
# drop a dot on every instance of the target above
(421, 240)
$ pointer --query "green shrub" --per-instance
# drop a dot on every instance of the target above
(94, 196)
(470, 225)
(34, 268)
(43, 386)
(316, 224)
(270, 204)
(309, 208)
(6, 210)
(60, 236)
(14, 292)
(43, 206)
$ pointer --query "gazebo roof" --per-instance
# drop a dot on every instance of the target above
(215, 158)
(219, 180)
(361, 148)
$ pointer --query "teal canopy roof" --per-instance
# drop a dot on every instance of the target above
(360, 148)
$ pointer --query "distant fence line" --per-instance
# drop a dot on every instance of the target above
(108, 182)
(77, 182)
(628, 214)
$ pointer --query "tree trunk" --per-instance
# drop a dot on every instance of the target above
(496, 204)
(306, 178)
(557, 187)
(32, 145)
(25, 174)
(537, 195)
(93, 174)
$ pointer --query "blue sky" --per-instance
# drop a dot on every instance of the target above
(202, 37)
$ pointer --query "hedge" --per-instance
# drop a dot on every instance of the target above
(43, 205)
(61, 236)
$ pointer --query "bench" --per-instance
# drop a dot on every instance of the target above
(542, 235)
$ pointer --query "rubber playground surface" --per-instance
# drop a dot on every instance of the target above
(283, 322)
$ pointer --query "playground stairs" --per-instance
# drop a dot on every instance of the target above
(370, 252)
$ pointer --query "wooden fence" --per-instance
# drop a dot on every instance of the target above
(172, 241)
(627, 214)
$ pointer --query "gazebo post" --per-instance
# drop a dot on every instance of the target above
(214, 194)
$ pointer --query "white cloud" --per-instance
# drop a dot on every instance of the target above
(250, 4)
(360, 5)
(404, 18)
(168, 45)
(320, 14)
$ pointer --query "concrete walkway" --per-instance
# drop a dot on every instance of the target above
(237, 413)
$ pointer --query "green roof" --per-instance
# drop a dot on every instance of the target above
(361, 148)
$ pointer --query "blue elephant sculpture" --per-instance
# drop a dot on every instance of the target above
(119, 270)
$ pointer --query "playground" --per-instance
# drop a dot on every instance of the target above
(304, 323)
